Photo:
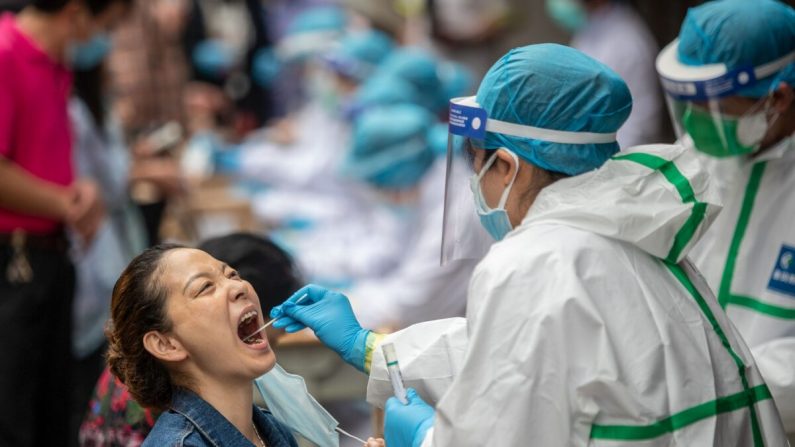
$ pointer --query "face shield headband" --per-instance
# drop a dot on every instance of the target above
(700, 83)
(468, 119)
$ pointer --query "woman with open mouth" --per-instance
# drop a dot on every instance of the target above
(179, 321)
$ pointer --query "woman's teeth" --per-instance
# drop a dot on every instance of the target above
(248, 316)
(247, 326)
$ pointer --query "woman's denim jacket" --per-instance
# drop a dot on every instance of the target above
(193, 422)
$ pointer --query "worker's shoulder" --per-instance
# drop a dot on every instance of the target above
(544, 246)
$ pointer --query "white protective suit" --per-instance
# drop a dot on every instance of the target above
(578, 333)
(419, 289)
(746, 257)
(616, 36)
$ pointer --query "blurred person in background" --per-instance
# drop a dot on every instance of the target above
(40, 200)
(382, 15)
(612, 32)
(148, 74)
(379, 91)
(353, 61)
(421, 69)
(113, 417)
(400, 151)
(101, 155)
(469, 31)
(311, 34)
(221, 39)
(729, 79)
(147, 69)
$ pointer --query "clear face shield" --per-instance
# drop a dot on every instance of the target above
(705, 107)
(463, 237)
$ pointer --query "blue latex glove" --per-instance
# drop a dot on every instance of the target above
(330, 315)
(406, 425)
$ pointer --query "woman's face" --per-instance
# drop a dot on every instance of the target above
(212, 310)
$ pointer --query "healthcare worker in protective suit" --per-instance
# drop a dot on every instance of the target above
(398, 150)
(729, 81)
(357, 56)
(585, 325)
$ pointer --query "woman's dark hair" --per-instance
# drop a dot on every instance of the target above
(271, 271)
(95, 6)
(138, 305)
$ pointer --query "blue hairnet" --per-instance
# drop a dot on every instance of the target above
(358, 54)
(321, 18)
(456, 79)
(381, 90)
(390, 146)
(420, 69)
(213, 58)
(437, 139)
(555, 87)
(740, 33)
(265, 67)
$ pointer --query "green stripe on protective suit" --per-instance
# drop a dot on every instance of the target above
(737, 401)
(725, 295)
(745, 399)
(682, 185)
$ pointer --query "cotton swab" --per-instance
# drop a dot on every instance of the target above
(264, 326)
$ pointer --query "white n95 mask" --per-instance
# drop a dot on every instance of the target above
(291, 404)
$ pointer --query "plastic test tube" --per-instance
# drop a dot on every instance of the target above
(393, 368)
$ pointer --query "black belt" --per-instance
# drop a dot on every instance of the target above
(56, 241)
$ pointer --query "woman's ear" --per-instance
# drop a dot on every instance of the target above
(506, 166)
(783, 97)
(163, 347)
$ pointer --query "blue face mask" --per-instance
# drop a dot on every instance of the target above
(89, 54)
(570, 14)
(494, 220)
(291, 404)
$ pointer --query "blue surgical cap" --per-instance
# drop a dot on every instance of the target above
(437, 139)
(390, 146)
(555, 87)
(381, 90)
(358, 54)
(318, 19)
(420, 69)
(265, 67)
(740, 33)
(457, 80)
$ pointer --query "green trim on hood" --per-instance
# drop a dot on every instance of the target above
(671, 173)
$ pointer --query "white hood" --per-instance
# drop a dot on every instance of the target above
(656, 197)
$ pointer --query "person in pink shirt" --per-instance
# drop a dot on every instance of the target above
(40, 201)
